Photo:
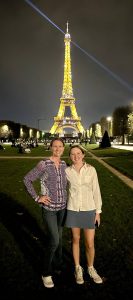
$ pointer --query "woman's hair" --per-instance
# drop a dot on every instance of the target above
(57, 139)
(76, 146)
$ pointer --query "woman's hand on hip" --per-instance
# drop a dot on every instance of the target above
(44, 199)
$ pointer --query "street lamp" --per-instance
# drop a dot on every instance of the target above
(38, 122)
(109, 120)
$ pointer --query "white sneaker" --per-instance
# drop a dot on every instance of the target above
(79, 275)
(47, 281)
(93, 274)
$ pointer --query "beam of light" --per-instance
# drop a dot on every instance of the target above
(43, 15)
(115, 76)
(118, 78)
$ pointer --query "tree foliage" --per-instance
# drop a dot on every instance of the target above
(92, 139)
(105, 143)
(130, 123)
(120, 121)
(104, 124)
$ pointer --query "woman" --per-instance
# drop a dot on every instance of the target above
(52, 198)
(83, 210)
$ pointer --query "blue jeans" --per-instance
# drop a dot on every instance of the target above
(53, 222)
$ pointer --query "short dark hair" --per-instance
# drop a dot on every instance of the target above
(57, 139)
(76, 146)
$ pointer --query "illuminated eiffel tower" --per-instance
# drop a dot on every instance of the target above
(67, 100)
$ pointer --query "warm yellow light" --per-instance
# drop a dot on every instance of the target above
(30, 132)
(38, 134)
(5, 128)
(109, 119)
(67, 99)
(21, 132)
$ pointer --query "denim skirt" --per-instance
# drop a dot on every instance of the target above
(80, 219)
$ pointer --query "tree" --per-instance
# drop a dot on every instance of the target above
(105, 143)
(92, 139)
(120, 121)
(130, 123)
(104, 124)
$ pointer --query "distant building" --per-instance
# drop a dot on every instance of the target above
(10, 130)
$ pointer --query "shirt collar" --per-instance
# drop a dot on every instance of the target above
(83, 167)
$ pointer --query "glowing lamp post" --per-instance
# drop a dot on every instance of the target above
(109, 122)
(38, 123)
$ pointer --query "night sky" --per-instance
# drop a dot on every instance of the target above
(32, 58)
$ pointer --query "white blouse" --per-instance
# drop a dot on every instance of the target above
(84, 191)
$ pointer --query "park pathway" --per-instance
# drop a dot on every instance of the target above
(121, 176)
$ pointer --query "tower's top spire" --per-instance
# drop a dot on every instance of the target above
(67, 26)
(67, 35)
(67, 92)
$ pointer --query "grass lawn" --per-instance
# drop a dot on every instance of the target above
(14, 151)
(23, 240)
(108, 152)
(124, 165)
(122, 160)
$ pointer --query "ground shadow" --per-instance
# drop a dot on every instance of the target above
(31, 241)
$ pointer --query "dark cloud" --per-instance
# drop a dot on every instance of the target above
(32, 58)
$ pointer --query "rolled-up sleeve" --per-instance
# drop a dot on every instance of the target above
(32, 176)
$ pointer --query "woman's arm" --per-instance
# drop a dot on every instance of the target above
(32, 176)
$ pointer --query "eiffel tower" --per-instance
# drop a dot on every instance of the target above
(67, 100)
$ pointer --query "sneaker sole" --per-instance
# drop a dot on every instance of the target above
(47, 286)
(80, 282)
(97, 282)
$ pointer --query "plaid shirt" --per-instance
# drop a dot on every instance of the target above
(53, 183)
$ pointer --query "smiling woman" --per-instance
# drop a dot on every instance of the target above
(83, 211)
(52, 199)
